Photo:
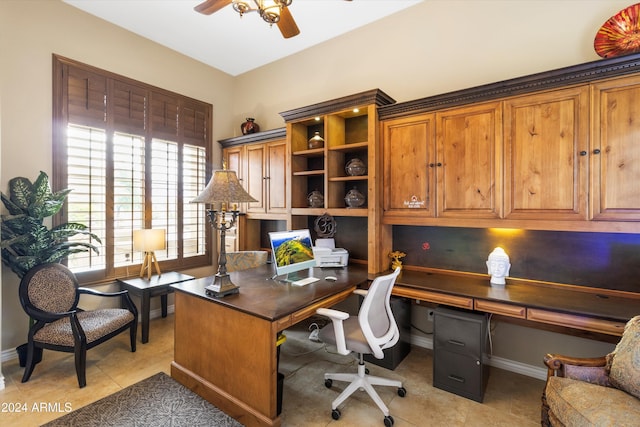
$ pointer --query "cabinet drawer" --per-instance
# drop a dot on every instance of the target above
(457, 335)
(459, 374)
(500, 308)
(579, 322)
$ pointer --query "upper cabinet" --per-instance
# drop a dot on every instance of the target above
(546, 141)
(409, 162)
(260, 164)
(558, 150)
(266, 177)
(469, 159)
(445, 165)
(615, 150)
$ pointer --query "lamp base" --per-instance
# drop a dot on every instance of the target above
(221, 286)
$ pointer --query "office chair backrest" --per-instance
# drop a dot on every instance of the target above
(49, 287)
(375, 315)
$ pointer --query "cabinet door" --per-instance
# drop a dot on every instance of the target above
(468, 151)
(409, 166)
(276, 177)
(615, 150)
(546, 138)
(234, 158)
(255, 177)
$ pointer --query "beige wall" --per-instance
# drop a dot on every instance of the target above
(434, 47)
(30, 32)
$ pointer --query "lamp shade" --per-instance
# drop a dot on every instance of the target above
(223, 187)
(148, 240)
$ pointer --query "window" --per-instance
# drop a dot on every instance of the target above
(134, 156)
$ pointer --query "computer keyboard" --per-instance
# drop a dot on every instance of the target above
(305, 281)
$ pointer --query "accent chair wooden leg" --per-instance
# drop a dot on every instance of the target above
(30, 364)
(81, 365)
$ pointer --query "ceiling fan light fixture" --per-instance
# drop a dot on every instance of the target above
(241, 7)
(270, 10)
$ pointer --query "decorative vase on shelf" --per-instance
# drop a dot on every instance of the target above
(355, 167)
(354, 198)
(250, 126)
(316, 141)
(315, 199)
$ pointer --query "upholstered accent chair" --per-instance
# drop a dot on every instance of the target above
(601, 391)
(49, 294)
(243, 260)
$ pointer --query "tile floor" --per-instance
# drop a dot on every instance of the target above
(510, 399)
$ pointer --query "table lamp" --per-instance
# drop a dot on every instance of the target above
(225, 189)
(147, 241)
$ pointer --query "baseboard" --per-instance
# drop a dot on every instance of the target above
(495, 361)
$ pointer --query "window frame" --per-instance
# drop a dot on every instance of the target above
(192, 127)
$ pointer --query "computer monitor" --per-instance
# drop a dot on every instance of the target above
(292, 252)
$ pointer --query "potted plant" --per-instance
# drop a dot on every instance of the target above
(26, 240)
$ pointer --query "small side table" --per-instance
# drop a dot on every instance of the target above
(147, 288)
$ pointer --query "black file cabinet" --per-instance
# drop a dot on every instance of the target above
(459, 353)
(401, 308)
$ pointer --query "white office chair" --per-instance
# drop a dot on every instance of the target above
(373, 330)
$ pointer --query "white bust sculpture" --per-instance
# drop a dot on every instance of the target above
(498, 266)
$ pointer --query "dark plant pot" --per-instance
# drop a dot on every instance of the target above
(22, 354)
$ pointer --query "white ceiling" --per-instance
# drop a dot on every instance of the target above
(232, 44)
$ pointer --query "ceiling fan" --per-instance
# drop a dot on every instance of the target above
(272, 11)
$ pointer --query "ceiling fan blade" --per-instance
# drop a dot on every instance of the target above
(287, 25)
(210, 6)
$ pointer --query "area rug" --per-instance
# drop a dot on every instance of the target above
(156, 401)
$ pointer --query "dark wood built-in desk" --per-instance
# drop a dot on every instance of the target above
(587, 309)
(225, 348)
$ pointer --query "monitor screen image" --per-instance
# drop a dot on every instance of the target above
(292, 251)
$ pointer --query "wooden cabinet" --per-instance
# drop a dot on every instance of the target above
(408, 156)
(446, 164)
(546, 164)
(469, 161)
(615, 150)
(266, 177)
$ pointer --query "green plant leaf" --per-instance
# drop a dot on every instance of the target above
(21, 192)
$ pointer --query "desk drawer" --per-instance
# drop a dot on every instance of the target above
(579, 322)
(500, 308)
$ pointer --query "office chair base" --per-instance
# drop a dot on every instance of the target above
(362, 381)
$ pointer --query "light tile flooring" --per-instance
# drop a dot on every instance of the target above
(510, 399)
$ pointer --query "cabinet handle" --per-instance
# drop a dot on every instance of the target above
(432, 165)
(458, 343)
(456, 378)
(596, 151)
(266, 177)
(583, 153)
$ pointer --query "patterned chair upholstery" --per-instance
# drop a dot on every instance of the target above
(49, 294)
(601, 391)
(244, 260)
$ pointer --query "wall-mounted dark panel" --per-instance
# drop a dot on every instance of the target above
(602, 260)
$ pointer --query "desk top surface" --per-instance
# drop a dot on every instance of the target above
(273, 299)
(568, 299)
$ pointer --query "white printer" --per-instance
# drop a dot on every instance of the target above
(327, 255)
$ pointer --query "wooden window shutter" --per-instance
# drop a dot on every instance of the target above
(194, 119)
(87, 97)
(164, 116)
(129, 107)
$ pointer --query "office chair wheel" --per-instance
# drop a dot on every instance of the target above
(402, 392)
(388, 421)
(328, 384)
(335, 414)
